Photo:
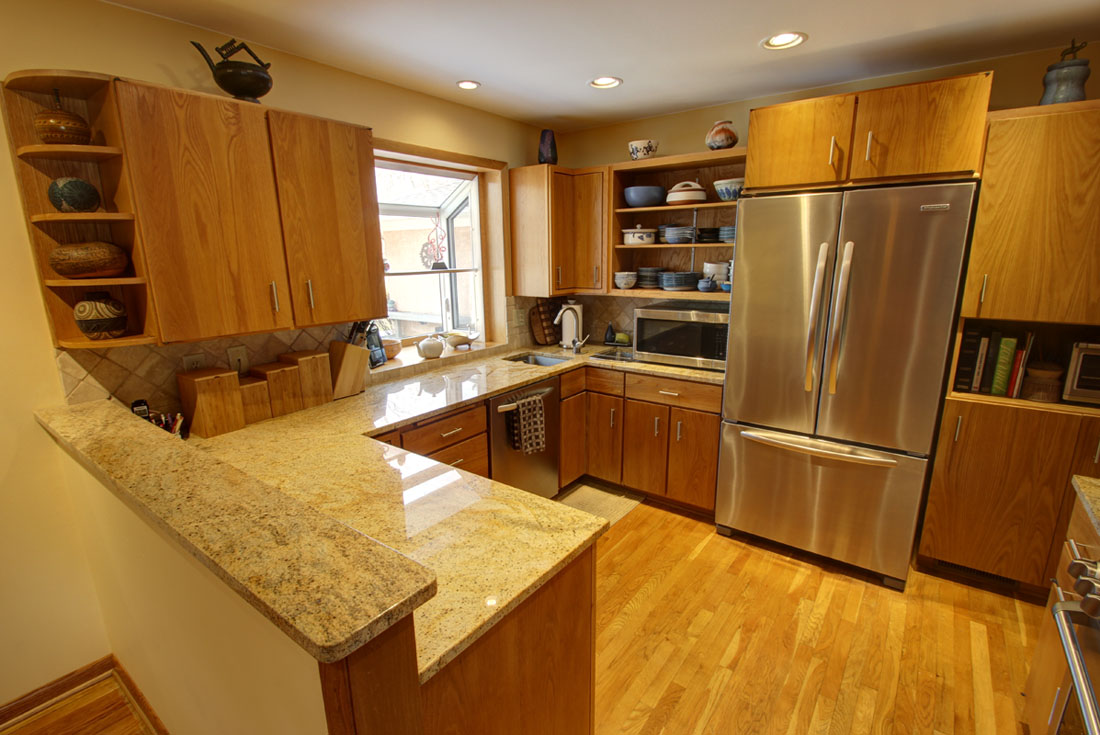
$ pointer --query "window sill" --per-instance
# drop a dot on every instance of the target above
(410, 360)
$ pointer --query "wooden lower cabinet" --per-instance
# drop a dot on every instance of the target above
(645, 446)
(999, 480)
(693, 457)
(605, 436)
(572, 454)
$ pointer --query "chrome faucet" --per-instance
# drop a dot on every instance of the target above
(579, 343)
(576, 327)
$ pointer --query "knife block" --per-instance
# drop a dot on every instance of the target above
(211, 401)
(284, 388)
(314, 375)
(348, 364)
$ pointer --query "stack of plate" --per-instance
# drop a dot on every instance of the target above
(675, 235)
(649, 277)
(707, 234)
(683, 281)
(727, 234)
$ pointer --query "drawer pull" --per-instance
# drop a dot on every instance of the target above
(669, 393)
(458, 462)
(452, 432)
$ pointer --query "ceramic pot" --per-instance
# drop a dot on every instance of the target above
(722, 135)
(548, 149)
(88, 260)
(58, 127)
(242, 79)
(707, 285)
(1065, 81)
(686, 192)
(70, 194)
(430, 347)
(99, 316)
(392, 347)
(640, 149)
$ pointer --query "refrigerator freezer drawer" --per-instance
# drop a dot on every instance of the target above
(848, 503)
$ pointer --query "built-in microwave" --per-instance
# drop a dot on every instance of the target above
(685, 333)
(1083, 378)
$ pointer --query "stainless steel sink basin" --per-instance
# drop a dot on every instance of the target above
(533, 358)
(615, 353)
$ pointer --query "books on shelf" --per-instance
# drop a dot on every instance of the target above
(992, 362)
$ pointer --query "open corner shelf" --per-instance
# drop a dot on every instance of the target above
(106, 344)
(68, 152)
(666, 246)
(658, 293)
(81, 282)
(78, 217)
(68, 83)
(678, 207)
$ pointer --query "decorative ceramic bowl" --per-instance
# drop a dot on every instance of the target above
(707, 285)
(88, 260)
(70, 194)
(640, 149)
(391, 346)
(99, 316)
(726, 286)
(639, 236)
(721, 135)
(686, 192)
(59, 127)
(626, 279)
(729, 189)
(644, 196)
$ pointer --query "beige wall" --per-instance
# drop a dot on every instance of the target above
(1017, 82)
(50, 622)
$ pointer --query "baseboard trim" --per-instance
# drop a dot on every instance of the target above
(139, 700)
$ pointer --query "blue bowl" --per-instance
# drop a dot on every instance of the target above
(726, 286)
(644, 196)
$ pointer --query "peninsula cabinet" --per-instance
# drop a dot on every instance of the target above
(1035, 253)
(324, 172)
(558, 225)
(913, 130)
(204, 185)
(998, 487)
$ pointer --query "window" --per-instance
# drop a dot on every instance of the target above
(431, 245)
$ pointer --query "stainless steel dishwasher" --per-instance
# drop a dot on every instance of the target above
(536, 473)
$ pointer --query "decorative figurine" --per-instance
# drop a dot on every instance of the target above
(548, 149)
(1065, 79)
(242, 79)
(722, 135)
(88, 260)
(70, 194)
(58, 127)
(99, 316)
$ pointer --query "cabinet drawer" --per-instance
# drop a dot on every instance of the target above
(436, 434)
(682, 393)
(471, 455)
(572, 383)
(602, 380)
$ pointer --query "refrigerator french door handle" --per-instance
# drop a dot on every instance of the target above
(774, 441)
(838, 313)
(815, 303)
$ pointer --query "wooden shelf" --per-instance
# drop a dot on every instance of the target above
(78, 282)
(659, 293)
(685, 160)
(664, 245)
(92, 217)
(678, 207)
(70, 83)
(68, 152)
(1023, 403)
(106, 344)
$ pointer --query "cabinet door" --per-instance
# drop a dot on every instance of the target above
(209, 217)
(645, 447)
(605, 436)
(1036, 248)
(924, 128)
(589, 227)
(563, 275)
(999, 478)
(804, 142)
(572, 455)
(693, 457)
(1086, 461)
(324, 171)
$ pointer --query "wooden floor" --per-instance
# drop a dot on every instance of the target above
(701, 634)
(101, 707)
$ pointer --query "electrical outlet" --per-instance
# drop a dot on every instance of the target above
(193, 362)
(238, 359)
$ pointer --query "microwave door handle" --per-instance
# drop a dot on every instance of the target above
(815, 303)
(839, 305)
(1064, 614)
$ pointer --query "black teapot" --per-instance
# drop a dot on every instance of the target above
(242, 79)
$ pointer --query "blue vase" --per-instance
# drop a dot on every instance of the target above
(548, 149)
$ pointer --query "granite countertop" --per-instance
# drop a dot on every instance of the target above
(1088, 489)
(378, 532)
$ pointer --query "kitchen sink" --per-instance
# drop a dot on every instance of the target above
(615, 353)
(533, 358)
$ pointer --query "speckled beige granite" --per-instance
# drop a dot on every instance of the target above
(328, 587)
(1088, 489)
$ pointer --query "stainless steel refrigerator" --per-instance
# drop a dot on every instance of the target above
(841, 318)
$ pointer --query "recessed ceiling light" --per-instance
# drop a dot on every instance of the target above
(468, 84)
(605, 82)
(784, 40)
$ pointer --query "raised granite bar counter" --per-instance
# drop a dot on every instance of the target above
(1088, 489)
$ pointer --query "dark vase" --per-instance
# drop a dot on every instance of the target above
(1065, 81)
(99, 316)
(548, 149)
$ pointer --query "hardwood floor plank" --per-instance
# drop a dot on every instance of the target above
(101, 708)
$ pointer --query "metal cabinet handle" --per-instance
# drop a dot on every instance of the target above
(832, 148)
(985, 282)
(838, 314)
(458, 462)
(506, 407)
(1096, 454)
(656, 426)
(958, 427)
(815, 305)
(559, 275)
(275, 296)
(612, 418)
(452, 432)
(596, 275)
(309, 287)
(867, 157)
(668, 393)
(679, 426)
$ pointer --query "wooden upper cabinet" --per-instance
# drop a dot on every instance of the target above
(324, 171)
(1000, 476)
(924, 128)
(558, 229)
(1036, 248)
(804, 142)
(205, 189)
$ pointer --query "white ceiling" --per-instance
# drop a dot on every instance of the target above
(534, 59)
